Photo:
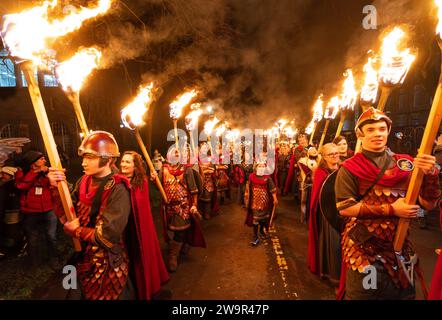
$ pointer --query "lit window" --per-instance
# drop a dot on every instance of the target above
(50, 80)
(7, 74)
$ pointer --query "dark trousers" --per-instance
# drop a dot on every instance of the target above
(40, 230)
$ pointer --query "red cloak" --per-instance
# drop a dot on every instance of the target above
(436, 282)
(291, 175)
(313, 233)
(150, 271)
(361, 167)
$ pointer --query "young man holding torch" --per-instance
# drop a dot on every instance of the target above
(103, 206)
(370, 190)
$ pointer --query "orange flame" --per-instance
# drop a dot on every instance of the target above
(349, 96)
(177, 106)
(332, 108)
(318, 109)
(209, 125)
(29, 33)
(132, 114)
(310, 127)
(439, 14)
(221, 129)
(395, 64)
(369, 91)
(192, 119)
(289, 132)
(72, 73)
(233, 135)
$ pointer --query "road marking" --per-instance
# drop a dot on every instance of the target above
(280, 260)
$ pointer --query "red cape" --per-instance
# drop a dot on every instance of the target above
(313, 233)
(291, 175)
(361, 167)
(436, 282)
(150, 271)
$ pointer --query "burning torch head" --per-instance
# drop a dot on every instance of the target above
(371, 115)
(100, 144)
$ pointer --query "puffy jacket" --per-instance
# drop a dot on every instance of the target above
(28, 183)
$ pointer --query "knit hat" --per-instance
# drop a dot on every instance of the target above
(31, 156)
(9, 170)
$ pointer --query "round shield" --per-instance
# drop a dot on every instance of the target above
(327, 203)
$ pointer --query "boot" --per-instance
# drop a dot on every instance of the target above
(184, 250)
(174, 249)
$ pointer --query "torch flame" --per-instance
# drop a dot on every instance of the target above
(28, 34)
(72, 73)
(289, 132)
(233, 135)
(192, 119)
(132, 114)
(369, 91)
(281, 123)
(310, 127)
(220, 130)
(318, 109)
(439, 14)
(332, 108)
(349, 95)
(395, 65)
(209, 125)
(177, 106)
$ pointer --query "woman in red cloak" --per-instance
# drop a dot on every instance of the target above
(149, 268)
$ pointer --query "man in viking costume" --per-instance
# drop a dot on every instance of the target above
(370, 190)
(103, 206)
(180, 214)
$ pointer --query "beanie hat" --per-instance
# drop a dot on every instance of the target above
(31, 156)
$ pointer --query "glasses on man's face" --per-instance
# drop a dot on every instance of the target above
(335, 154)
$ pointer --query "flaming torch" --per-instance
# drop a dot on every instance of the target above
(208, 129)
(27, 35)
(394, 65)
(191, 124)
(72, 74)
(176, 108)
(330, 113)
(317, 115)
(431, 129)
(349, 98)
(132, 117)
(369, 91)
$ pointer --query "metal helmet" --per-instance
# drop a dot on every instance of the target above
(372, 114)
(100, 144)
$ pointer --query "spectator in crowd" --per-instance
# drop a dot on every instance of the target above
(11, 235)
(39, 220)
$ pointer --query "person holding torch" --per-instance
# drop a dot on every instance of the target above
(370, 188)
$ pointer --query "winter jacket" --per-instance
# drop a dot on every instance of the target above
(35, 194)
